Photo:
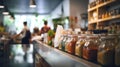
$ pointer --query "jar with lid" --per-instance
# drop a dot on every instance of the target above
(79, 46)
(71, 45)
(106, 51)
(117, 53)
(90, 48)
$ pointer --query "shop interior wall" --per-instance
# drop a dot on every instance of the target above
(78, 7)
(56, 13)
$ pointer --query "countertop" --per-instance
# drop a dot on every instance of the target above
(58, 58)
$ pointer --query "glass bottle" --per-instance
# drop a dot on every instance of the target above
(90, 48)
(117, 53)
(79, 46)
(106, 51)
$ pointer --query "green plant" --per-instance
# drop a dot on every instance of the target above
(51, 33)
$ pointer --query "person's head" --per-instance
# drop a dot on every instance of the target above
(25, 23)
(45, 22)
(36, 30)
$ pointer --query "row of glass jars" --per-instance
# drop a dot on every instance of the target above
(104, 49)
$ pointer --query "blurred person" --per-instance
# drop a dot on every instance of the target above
(36, 31)
(36, 34)
(45, 28)
(25, 34)
(2, 28)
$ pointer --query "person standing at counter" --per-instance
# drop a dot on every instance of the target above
(26, 34)
(45, 28)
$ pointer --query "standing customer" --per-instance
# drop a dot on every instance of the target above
(26, 34)
(45, 28)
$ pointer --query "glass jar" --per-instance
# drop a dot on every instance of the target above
(71, 45)
(79, 46)
(106, 51)
(67, 42)
(63, 43)
(61, 40)
(90, 48)
(117, 54)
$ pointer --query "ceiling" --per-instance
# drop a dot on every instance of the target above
(22, 6)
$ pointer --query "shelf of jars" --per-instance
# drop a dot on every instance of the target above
(58, 58)
(105, 19)
(100, 3)
(109, 18)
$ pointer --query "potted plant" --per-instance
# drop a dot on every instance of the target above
(50, 37)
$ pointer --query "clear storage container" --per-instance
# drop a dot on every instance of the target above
(90, 48)
(106, 51)
(71, 45)
(79, 45)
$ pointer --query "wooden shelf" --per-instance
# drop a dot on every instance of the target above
(93, 8)
(98, 6)
(109, 18)
(92, 22)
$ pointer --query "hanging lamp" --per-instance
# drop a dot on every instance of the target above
(6, 11)
(1, 4)
(32, 4)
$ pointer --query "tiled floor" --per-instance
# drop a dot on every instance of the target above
(18, 56)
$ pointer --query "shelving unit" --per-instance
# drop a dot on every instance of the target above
(95, 20)
(101, 5)
(109, 18)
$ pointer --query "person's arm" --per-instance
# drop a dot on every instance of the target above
(15, 36)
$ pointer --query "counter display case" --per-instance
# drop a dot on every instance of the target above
(57, 58)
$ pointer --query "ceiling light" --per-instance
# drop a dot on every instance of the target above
(32, 4)
(5, 13)
(1, 6)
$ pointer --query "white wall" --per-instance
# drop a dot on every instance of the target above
(77, 7)
(57, 11)
(72, 8)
